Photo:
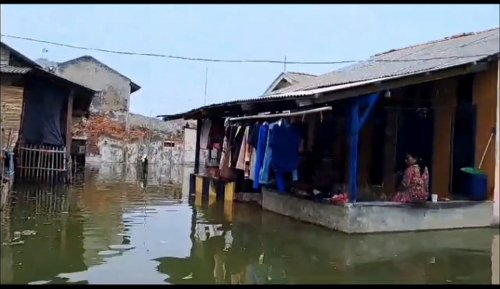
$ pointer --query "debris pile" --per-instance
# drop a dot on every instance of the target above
(101, 125)
(112, 125)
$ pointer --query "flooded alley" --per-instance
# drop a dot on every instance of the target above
(70, 235)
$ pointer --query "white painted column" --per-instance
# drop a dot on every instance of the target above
(496, 198)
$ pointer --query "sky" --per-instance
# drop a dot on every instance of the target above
(297, 32)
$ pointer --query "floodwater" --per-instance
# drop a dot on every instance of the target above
(173, 242)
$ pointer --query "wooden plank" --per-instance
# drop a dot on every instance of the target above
(12, 105)
(69, 126)
(44, 169)
(51, 161)
(44, 163)
(28, 163)
(21, 161)
(39, 161)
(485, 99)
(50, 150)
(197, 147)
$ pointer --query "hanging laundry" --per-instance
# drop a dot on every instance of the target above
(248, 155)
(225, 170)
(240, 164)
(264, 176)
(260, 153)
(236, 145)
(253, 135)
(285, 141)
(253, 163)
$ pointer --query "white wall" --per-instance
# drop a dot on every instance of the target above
(189, 145)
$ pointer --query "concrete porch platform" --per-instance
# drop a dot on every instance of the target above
(378, 217)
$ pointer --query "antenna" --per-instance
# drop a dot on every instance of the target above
(284, 65)
(44, 50)
(206, 84)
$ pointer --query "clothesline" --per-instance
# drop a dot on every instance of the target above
(276, 115)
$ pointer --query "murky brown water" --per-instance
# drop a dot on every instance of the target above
(177, 243)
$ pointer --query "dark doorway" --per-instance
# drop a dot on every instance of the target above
(464, 135)
(415, 134)
(378, 146)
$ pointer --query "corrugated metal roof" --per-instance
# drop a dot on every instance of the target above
(432, 56)
(298, 76)
(446, 53)
(9, 69)
(290, 77)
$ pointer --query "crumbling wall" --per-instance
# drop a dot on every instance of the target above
(108, 141)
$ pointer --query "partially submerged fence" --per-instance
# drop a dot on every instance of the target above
(42, 163)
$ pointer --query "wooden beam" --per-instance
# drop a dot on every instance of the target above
(69, 128)
(496, 189)
(197, 148)
(286, 114)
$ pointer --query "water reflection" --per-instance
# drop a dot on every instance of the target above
(270, 249)
(177, 243)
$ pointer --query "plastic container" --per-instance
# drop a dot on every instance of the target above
(476, 183)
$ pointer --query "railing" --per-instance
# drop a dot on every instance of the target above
(42, 163)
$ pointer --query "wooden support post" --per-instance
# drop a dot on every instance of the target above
(496, 192)
(356, 123)
(1, 144)
(197, 149)
(69, 128)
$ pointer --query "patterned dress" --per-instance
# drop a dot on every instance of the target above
(415, 185)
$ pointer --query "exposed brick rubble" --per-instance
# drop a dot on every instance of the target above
(98, 125)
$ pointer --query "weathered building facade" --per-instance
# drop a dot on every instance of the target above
(39, 108)
(112, 133)
(115, 88)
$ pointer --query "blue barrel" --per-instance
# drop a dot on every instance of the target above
(476, 184)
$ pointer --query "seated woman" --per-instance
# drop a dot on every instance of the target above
(415, 183)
